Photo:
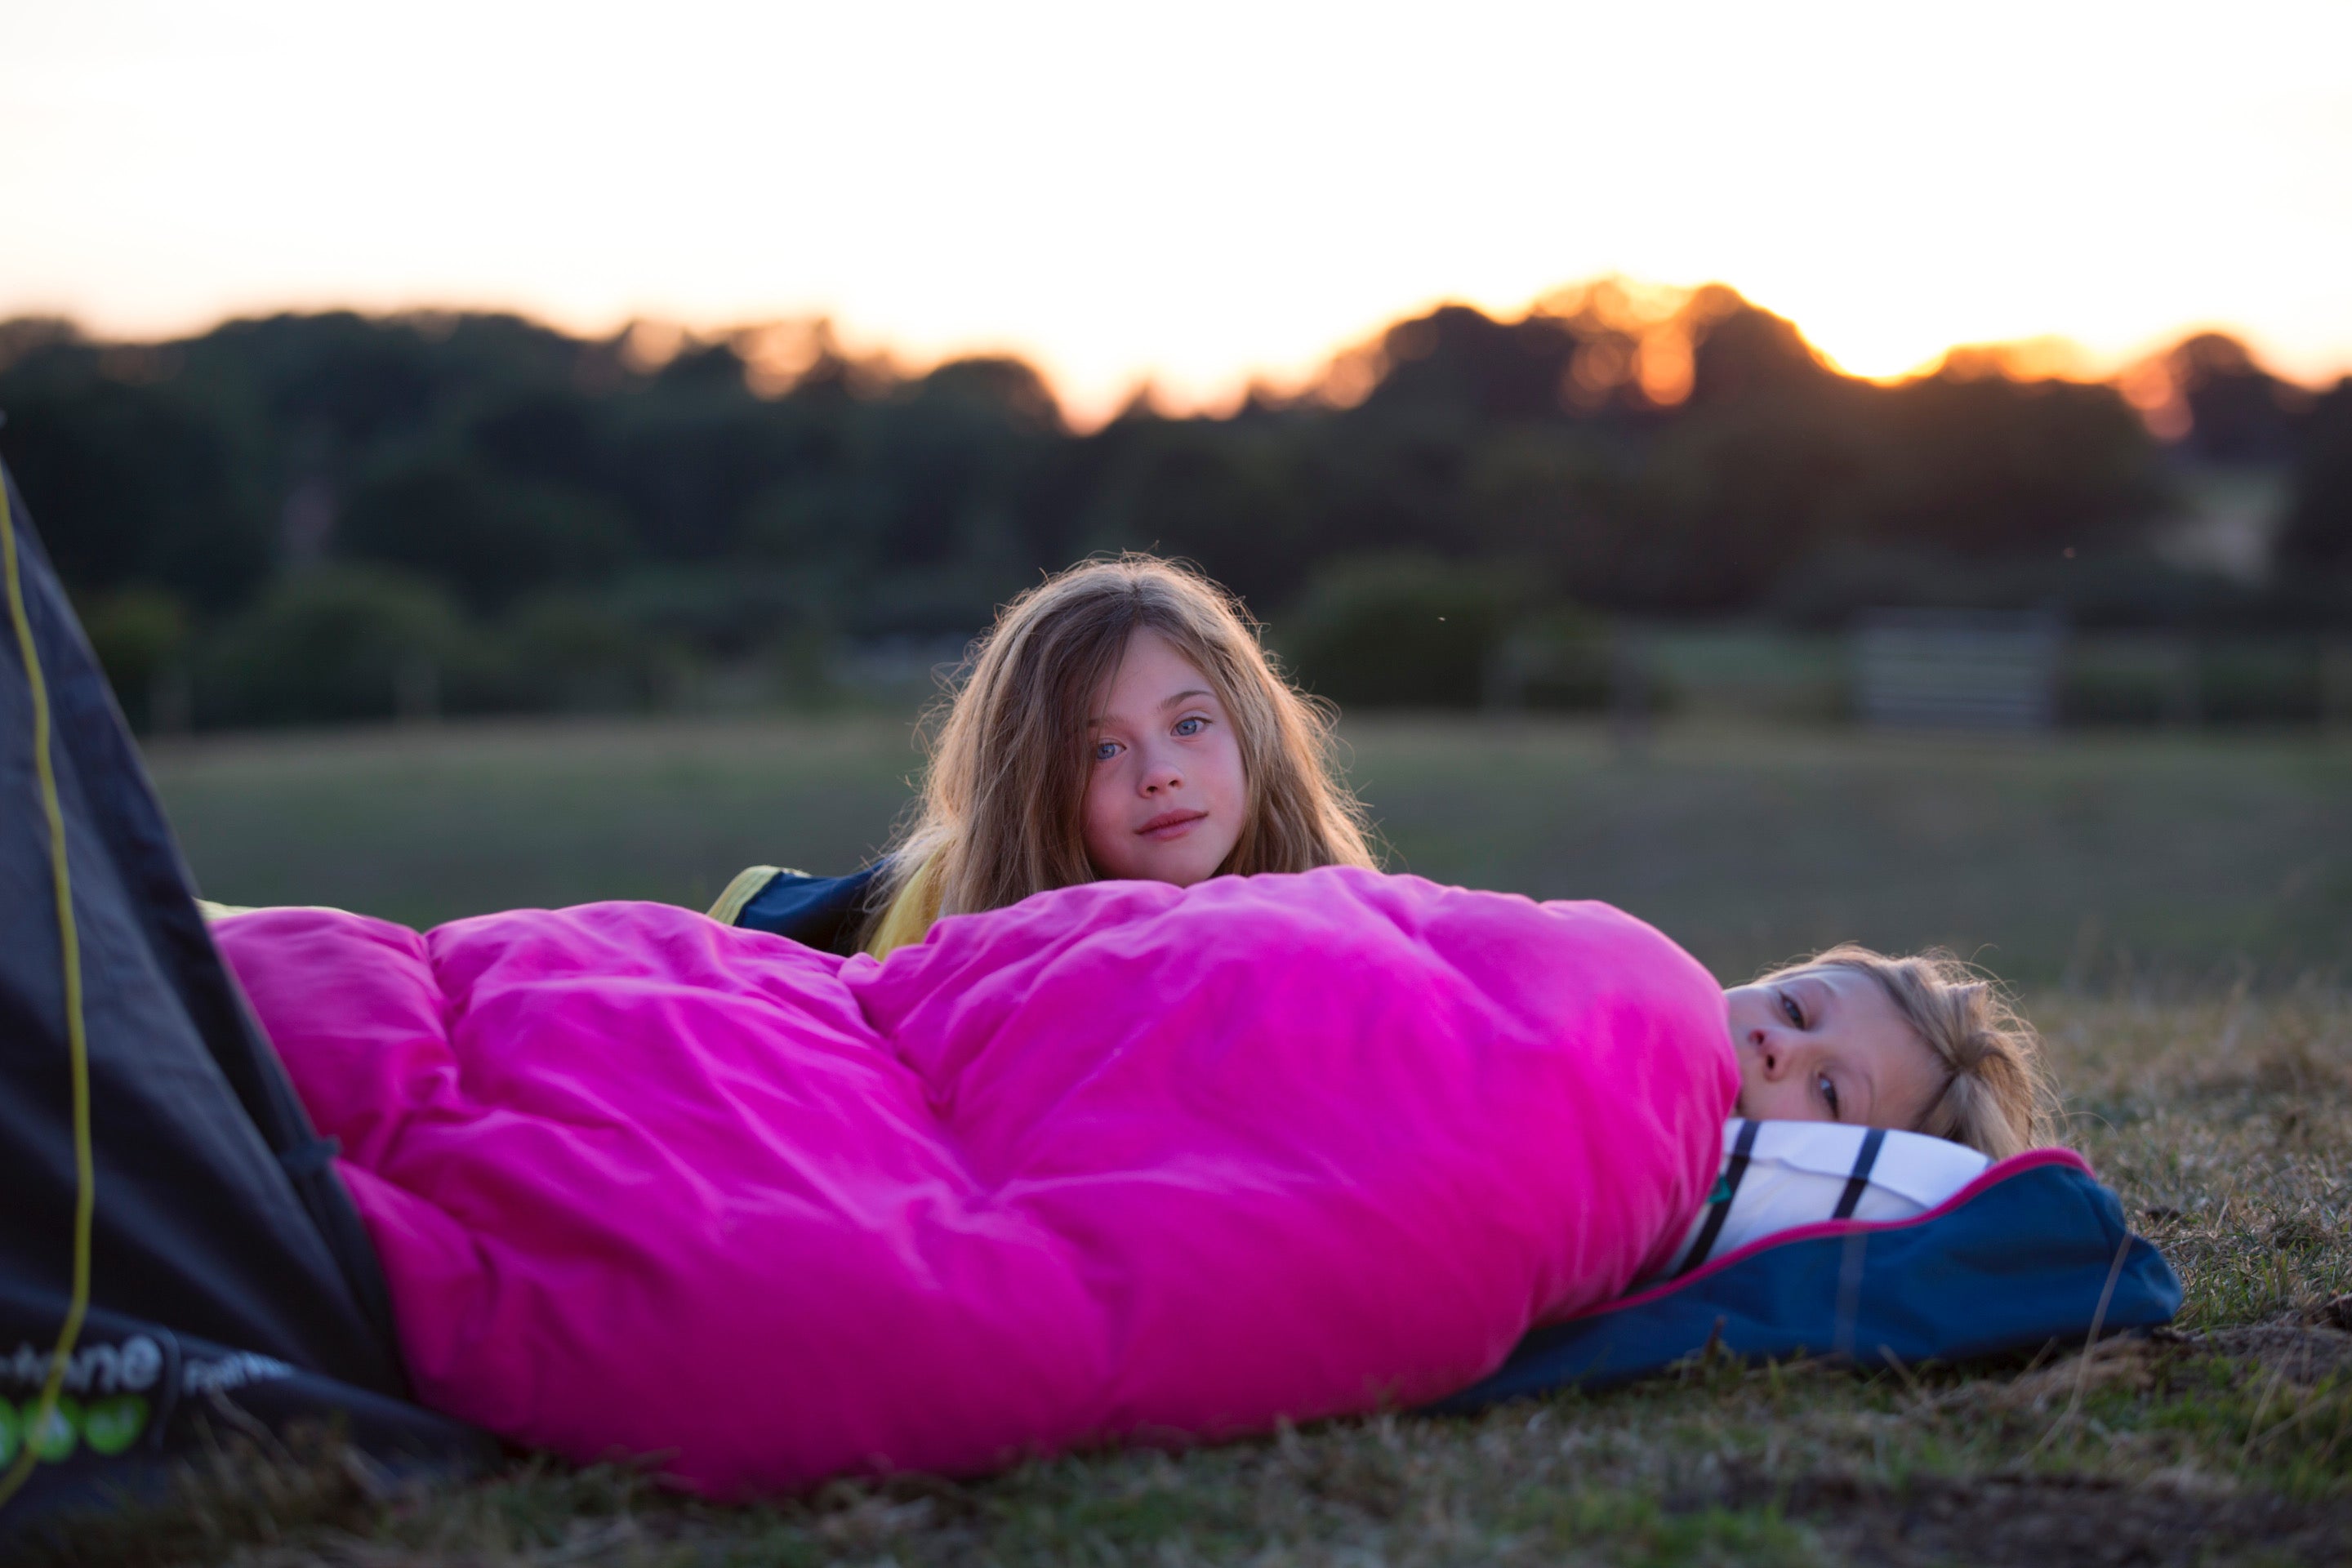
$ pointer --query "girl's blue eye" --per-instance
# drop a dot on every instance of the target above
(1190, 726)
(1105, 750)
(1796, 1015)
(1830, 1095)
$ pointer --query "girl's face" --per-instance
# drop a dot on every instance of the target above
(1829, 1045)
(1165, 795)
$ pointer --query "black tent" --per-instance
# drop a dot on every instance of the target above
(229, 1283)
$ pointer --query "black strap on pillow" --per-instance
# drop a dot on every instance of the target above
(1859, 1182)
(1719, 1208)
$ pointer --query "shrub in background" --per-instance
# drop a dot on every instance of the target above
(1398, 631)
(1568, 660)
(140, 636)
(573, 653)
(2263, 681)
(2112, 590)
(342, 644)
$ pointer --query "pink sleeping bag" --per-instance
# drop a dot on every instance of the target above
(1122, 1161)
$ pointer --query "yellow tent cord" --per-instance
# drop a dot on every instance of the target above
(77, 1038)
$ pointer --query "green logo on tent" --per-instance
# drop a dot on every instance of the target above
(52, 1439)
(9, 1432)
(111, 1425)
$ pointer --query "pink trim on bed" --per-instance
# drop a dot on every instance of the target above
(2015, 1165)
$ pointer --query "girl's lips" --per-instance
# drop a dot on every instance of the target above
(1170, 823)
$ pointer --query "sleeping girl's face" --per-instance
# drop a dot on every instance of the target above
(1165, 796)
(1829, 1045)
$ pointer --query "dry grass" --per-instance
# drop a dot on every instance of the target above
(2225, 1122)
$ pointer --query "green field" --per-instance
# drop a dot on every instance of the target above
(2198, 858)
(2180, 911)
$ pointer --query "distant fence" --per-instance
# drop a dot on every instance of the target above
(1957, 669)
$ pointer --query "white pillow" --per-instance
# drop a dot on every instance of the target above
(1777, 1175)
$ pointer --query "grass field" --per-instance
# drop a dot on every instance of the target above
(2180, 913)
(2198, 858)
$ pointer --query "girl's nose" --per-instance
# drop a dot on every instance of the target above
(1161, 776)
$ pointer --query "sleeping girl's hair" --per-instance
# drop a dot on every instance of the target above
(1000, 816)
(1997, 1097)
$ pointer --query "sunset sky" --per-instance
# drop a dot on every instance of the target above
(1194, 194)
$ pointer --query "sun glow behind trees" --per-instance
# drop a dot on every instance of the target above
(1196, 197)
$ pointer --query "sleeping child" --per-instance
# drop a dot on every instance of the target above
(1931, 1072)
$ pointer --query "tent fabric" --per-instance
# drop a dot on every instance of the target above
(219, 1226)
(139, 1394)
(2035, 1252)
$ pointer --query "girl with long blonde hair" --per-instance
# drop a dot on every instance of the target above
(1118, 719)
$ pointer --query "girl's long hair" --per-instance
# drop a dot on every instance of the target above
(1000, 816)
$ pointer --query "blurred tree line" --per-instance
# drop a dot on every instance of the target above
(329, 517)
